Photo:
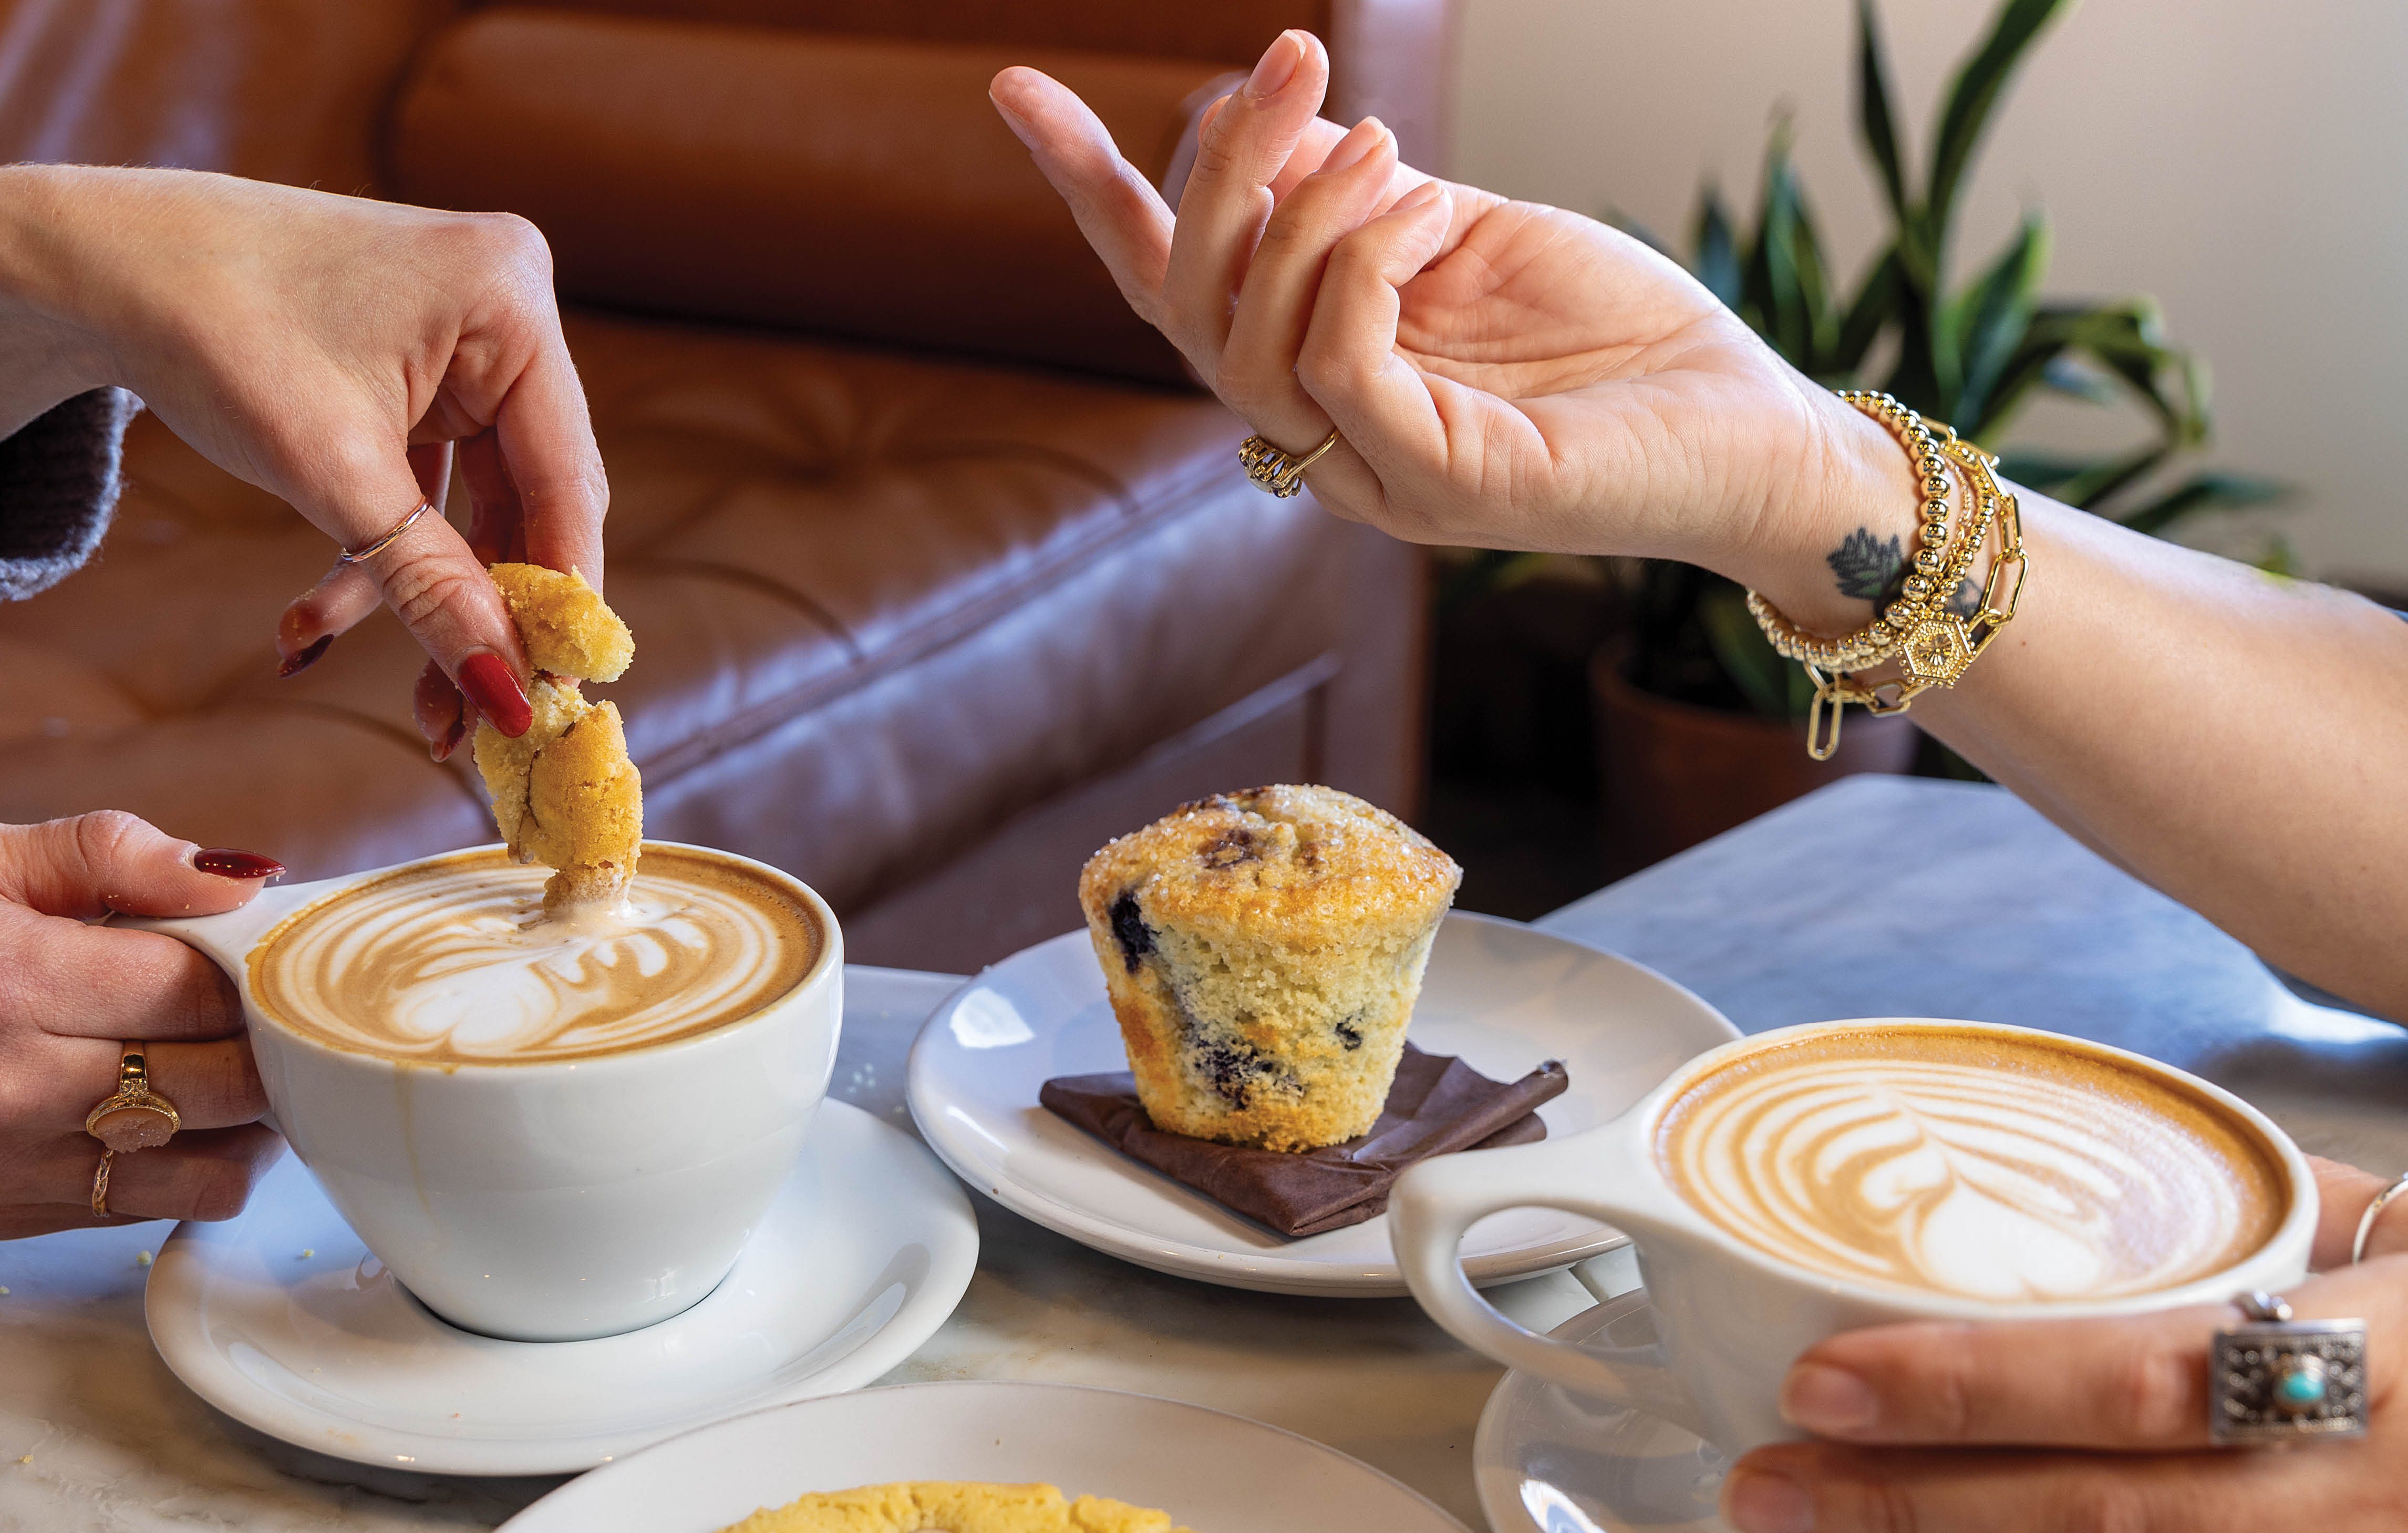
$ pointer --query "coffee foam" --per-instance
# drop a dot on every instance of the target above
(1980, 1165)
(455, 961)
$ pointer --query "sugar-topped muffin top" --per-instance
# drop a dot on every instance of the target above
(1312, 861)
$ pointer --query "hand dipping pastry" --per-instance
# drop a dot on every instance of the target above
(564, 793)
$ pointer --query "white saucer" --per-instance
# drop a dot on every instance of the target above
(282, 1319)
(1503, 996)
(1208, 1470)
(1548, 1461)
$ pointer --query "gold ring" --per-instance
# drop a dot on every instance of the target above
(376, 546)
(1276, 471)
(136, 1117)
(100, 1186)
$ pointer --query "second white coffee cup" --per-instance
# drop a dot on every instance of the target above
(1732, 1318)
(558, 1200)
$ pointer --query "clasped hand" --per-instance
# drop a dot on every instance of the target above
(1500, 373)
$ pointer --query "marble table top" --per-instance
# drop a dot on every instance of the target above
(1802, 916)
(96, 1434)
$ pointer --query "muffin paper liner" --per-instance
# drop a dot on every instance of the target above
(1437, 1105)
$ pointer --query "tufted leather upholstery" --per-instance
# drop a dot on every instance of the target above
(922, 628)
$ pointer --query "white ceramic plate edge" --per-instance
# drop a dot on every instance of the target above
(1262, 1274)
(564, 1502)
(172, 1310)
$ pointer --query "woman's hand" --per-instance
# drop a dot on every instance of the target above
(70, 993)
(2058, 1426)
(1499, 373)
(329, 350)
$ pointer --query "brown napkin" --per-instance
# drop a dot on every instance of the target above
(1438, 1105)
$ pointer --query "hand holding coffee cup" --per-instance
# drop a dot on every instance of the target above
(547, 1129)
(2056, 1425)
(75, 995)
(553, 1107)
(1813, 1181)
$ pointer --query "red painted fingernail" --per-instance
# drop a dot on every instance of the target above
(486, 679)
(441, 749)
(301, 660)
(228, 863)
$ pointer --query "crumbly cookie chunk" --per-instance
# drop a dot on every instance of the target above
(1262, 952)
(564, 624)
(953, 1506)
(564, 793)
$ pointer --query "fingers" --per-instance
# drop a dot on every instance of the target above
(496, 520)
(1387, 412)
(74, 980)
(442, 595)
(213, 1086)
(347, 592)
(1831, 1488)
(1257, 375)
(442, 714)
(1227, 199)
(2138, 1382)
(205, 1174)
(2133, 1382)
(548, 455)
(87, 866)
(2344, 1194)
(1118, 210)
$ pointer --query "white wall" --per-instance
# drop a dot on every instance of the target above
(2245, 161)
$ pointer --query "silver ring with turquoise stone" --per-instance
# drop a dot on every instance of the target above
(2274, 1379)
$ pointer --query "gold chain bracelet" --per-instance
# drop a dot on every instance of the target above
(1933, 644)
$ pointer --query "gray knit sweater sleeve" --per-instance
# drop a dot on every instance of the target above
(58, 485)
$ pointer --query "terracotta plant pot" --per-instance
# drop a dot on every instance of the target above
(1675, 773)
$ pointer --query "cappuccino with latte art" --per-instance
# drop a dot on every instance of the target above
(1978, 1164)
(457, 961)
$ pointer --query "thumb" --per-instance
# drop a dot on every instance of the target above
(88, 866)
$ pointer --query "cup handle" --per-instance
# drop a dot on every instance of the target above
(1435, 1202)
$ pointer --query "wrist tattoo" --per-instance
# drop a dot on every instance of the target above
(1869, 569)
(1873, 569)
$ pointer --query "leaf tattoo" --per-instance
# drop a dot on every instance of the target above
(1869, 569)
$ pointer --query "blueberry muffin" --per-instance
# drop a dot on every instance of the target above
(1263, 950)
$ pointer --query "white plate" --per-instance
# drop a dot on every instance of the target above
(1214, 1472)
(1548, 1461)
(864, 1252)
(1503, 996)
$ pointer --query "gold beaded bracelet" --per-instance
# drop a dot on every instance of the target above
(1933, 644)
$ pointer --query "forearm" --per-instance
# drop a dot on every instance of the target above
(2234, 738)
(48, 350)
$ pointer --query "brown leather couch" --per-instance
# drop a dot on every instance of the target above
(939, 572)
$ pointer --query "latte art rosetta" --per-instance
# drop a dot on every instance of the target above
(1990, 1169)
(455, 961)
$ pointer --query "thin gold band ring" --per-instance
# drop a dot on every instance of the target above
(100, 1186)
(370, 550)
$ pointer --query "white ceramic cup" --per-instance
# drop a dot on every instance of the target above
(559, 1200)
(1732, 1318)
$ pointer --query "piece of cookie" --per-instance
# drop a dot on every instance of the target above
(564, 624)
(564, 792)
